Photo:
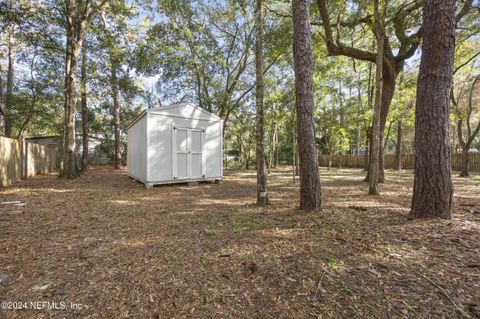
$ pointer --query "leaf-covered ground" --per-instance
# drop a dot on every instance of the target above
(121, 251)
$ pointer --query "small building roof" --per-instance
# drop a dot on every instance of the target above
(182, 110)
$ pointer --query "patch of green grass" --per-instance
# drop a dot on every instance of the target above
(335, 265)
(256, 223)
(249, 225)
(210, 232)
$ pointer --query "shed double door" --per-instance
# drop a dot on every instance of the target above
(188, 153)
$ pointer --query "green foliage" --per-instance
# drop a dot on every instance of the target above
(168, 51)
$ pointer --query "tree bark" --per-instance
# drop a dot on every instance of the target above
(9, 91)
(83, 96)
(388, 89)
(274, 155)
(310, 197)
(357, 144)
(76, 21)
(367, 151)
(432, 189)
(398, 147)
(69, 164)
(262, 192)
(116, 114)
(377, 141)
(465, 163)
(294, 149)
(465, 146)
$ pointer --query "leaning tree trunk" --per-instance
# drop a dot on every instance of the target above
(116, 115)
(262, 193)
(432, 188)
(9, 91)
(388, 89)
(83, 96)
(373, 171)
(310, 198)
(398, 148)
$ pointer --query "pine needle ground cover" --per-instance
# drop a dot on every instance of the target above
(117, 250)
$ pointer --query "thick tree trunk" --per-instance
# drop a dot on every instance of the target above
(9, 91)
(432, 189)
(116, 115)
(83, 96)
(262, 193)
(310, 198)
(377, 141)
(398, 147)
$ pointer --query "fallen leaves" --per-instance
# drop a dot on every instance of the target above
(105, 242)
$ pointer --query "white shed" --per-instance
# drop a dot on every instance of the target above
(175, 144)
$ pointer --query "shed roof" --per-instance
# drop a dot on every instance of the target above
(181, 110)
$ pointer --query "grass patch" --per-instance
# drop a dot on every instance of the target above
(210, 232)
(248, 225)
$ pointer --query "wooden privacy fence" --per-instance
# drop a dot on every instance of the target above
(408, 160)
(23, 160)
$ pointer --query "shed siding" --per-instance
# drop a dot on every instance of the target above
(137, 150)
(159, 148)
(160, 153)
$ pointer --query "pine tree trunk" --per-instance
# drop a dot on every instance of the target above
(9, 91)
(2, 116)
(262, 193)
(116, 115)
(398, 148)
(294, 150)
(310, 198)
(83, 93)
(432, 190)
(376, 144)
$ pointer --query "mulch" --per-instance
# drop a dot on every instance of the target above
(105, 243)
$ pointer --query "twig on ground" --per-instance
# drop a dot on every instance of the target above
(445, 293)
(319, 285)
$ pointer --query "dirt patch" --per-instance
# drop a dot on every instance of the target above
(119, 251)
